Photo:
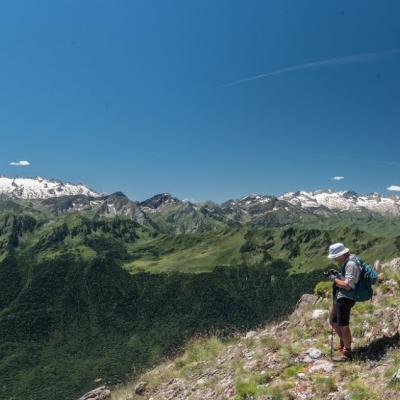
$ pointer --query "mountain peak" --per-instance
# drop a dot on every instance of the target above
(251, 196)
(41, 188)
(117, 195)
(159, 201)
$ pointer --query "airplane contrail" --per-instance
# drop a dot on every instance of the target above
(331, 61)
(368, 160)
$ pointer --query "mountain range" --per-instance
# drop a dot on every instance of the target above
(59, 197)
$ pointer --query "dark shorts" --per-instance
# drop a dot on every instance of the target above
(341, 311)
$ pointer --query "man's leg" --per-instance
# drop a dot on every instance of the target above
(346, 336)
(335, 326)
(343, 308)
(344, 321)
(338, 330)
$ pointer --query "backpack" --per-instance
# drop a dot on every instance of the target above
(368, 277)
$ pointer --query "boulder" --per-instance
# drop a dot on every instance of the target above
(304, 301)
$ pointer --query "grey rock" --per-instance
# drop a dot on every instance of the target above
(100, 393)
(304, 301)
(251, 334)
(319, 314)
(336, 396)
(322, 365)
(394, 264)
(314, 353)
(396, 376)
(284, 325)
(140, 388)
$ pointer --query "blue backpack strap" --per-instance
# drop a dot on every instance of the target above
(358, 261)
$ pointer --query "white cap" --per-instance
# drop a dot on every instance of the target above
(337, 250)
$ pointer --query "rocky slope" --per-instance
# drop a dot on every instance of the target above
(289, 359)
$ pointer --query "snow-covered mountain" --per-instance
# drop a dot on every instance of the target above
(246, 208)
(40, 188)
(320, 200)
(343, 201)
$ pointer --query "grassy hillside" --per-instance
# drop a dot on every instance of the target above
(304, 246)
(274, 362)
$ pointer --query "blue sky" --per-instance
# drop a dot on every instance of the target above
(133, 95)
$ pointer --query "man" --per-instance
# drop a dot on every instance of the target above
(343, 297)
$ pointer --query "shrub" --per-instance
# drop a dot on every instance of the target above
(323, 289)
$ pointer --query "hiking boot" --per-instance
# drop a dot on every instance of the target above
(345, 355)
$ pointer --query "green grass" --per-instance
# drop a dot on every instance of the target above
(200, 350)
(185, 255)
(359, 390)
(323, 385)
(251, 385)
(292, 371)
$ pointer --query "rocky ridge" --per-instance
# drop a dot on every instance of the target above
(289, 359)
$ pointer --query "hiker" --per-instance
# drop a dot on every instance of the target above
(343, 297)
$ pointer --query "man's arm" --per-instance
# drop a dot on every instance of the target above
(342, 283)
(351, 277)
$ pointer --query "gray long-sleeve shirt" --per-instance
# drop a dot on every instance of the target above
(352, 275)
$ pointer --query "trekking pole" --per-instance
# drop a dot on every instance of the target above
(331, 343)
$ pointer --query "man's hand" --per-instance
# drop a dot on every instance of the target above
(332, 277)
(332, 274)
(342, 283)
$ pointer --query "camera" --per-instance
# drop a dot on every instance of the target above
(330, 272)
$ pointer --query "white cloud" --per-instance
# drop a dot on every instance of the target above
(23, 163)
(394, 188)
(337, 178)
